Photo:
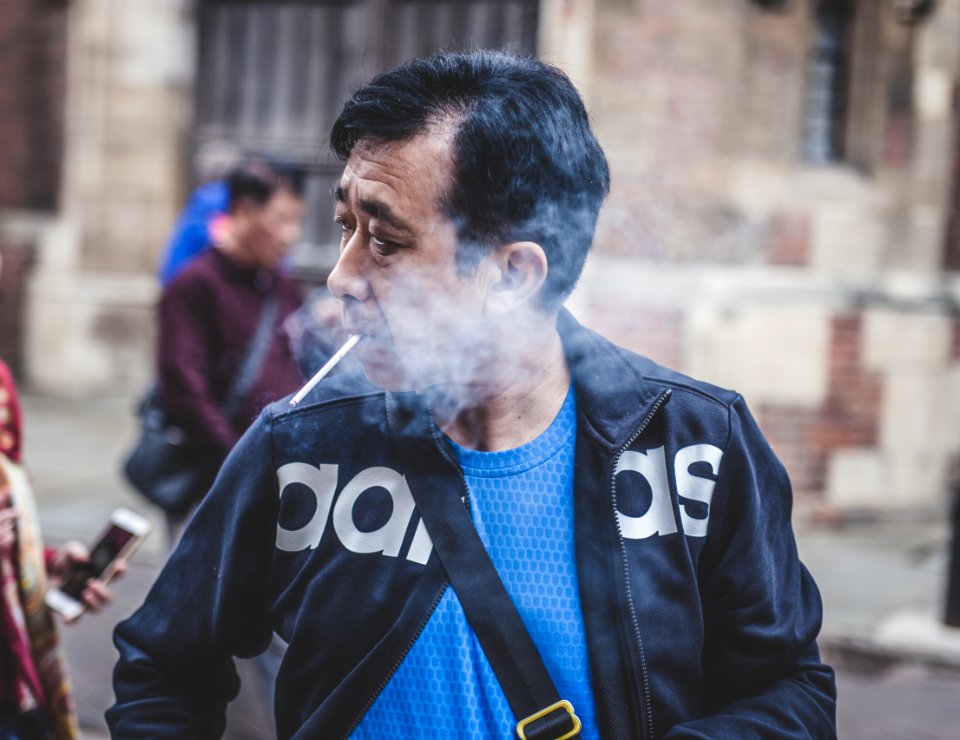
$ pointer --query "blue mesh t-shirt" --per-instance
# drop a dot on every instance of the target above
(521, 501)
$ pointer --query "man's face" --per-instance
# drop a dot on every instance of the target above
(265, 233)
(397, 274)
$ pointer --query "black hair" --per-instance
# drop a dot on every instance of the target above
(258, 179)
(526, 164)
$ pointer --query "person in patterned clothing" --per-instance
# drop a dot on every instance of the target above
(35, 698)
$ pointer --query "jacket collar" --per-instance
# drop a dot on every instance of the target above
(612, 392)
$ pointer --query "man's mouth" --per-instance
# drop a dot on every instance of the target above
(375, 348)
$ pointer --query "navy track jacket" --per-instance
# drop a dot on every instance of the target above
(701, 621)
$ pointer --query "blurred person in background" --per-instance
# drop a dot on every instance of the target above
(637, 518)
(35, 695)
(210, 315)
(228, 304)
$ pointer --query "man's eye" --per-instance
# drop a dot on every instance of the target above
(382, 246)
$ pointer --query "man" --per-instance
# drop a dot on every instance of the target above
(637, 518)
(211, 312)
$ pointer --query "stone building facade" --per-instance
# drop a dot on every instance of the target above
(806, 269)
(780, 219)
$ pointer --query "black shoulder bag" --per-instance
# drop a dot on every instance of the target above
(167, 467)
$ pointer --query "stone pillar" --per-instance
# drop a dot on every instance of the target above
(936, 73)
(566, 38)
(129, 85)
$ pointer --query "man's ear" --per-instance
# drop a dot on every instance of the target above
(520, 269)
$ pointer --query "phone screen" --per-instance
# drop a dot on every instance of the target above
(102, 554)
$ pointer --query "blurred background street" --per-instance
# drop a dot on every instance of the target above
(882, 581)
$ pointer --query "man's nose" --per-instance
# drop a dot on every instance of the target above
(347, 279)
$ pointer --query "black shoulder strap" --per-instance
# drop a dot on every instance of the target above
(253, 360)
(535, 701)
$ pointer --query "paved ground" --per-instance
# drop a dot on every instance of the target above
(882, 585)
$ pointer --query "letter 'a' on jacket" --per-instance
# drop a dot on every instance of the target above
(701, 621)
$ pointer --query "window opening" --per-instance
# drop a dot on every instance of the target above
(828, 83)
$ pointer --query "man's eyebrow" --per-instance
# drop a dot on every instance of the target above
(373, 208)
(381, 212)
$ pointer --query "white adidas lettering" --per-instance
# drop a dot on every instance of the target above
(659, 518)
(322, 482)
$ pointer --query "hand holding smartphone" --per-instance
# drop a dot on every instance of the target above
(123, 533)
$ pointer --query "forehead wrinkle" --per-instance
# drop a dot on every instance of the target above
(397, 163)
(377, 177)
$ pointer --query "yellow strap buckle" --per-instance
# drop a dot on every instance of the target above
(562, 704)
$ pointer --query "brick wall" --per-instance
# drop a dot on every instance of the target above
(805, 438)
(32, 54)
(788, 239)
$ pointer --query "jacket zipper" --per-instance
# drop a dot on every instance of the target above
(435, 432)
(647, 719)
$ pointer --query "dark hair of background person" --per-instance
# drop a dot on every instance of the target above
(258, 179)
(527, 166)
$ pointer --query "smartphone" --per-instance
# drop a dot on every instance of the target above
(124, 531)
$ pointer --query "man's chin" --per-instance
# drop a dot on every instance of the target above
(384, 375)
(391, 377)
(384, 368)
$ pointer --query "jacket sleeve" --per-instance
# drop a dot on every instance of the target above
(762, 610)
(175, 673)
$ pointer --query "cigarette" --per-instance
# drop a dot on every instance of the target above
(324, 371)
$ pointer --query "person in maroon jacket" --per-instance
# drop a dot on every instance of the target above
(210, 313)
